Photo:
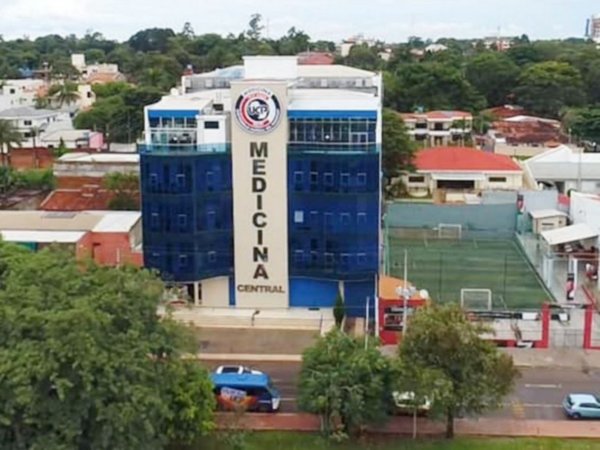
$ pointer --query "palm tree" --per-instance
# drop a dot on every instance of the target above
(64, 93)
(9, 137)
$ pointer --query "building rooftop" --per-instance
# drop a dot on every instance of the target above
(84, 199)
(563, 163)
(463, 159)
(546, 213)
(26, 112)
(60, 237)
(107, 158)
(101, 221)
(437, 115)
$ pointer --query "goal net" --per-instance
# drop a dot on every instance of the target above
(476, 299)
(449, 231)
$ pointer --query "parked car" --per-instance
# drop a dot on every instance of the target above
(582, 406)
(240, 370)
(404, 403)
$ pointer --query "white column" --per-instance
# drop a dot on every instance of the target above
(197, 294)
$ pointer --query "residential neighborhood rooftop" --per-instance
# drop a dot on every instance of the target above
(463, 159)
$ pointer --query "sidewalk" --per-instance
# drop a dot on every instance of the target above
(557, 358)
(403, 426)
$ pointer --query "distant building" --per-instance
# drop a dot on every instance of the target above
(499, 43)
(17, 93)
(566, 169)
(32, 123)
(80, 180)
(110, 238)
(73, 139)
(346, 45)
(315, 58)
(96, 73)
(593, 28)
(461, 169)
(523, 136)
(439, 128)
(435, 48)
(505, 111)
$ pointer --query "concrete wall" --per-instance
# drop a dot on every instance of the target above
(215, 292)
(537, 200)
(585, 208)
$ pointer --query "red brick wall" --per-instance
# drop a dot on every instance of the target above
(29, 158)
(110, 249)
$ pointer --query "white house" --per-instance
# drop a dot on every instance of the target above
(438, 128)
(566, 168)
(461, 169)
(32, 123)
(16, 93)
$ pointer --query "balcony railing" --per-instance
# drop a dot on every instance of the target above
(315, 147)
(178, 149)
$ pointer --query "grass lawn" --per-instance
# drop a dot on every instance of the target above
(445, 266)
(298, 441)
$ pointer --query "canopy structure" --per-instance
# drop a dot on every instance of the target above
(572, 233)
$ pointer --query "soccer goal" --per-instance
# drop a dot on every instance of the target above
(449, 231)
(476, 299)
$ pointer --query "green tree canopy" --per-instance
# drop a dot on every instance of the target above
(474, 375)
(343, 382)
(546, 88)
(494, 75)
(86, 363)
(398, 147)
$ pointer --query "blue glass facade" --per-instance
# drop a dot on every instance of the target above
(187, 213)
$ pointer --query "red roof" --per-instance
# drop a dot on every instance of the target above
(77, 200)
(315, 58)
(462, 159)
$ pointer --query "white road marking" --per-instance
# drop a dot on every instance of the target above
(543, 386)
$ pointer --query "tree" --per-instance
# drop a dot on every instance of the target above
(151, 40)
(125, 188)
(585, 124)
(64, 93)
(398, 148)
(343, 382)
(255, 27)
(546, 88)
(86, 363)
(494, 75)
(474, 375)
(364, 57)
(9, 137)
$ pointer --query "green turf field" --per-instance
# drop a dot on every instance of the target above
(445, 266)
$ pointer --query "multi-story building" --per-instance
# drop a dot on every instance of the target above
(261, 185)
(593, 28)
(439, 128)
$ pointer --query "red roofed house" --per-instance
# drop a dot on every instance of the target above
(461, 169)
(439, 128)
(315, 58)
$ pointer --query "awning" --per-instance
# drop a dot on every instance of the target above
(572, 233)
(458, 176)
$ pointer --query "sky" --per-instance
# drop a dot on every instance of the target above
(388, 20)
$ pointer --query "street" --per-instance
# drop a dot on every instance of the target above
(537, 395)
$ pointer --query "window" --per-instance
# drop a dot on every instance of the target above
(211, 125)
(314, 177)
(314, 218)
(153, 179)
(298, 216)
(183, 260)
(497, 179)
(298, 177)
(361, 179)
(345, 179)
(212, 257)
(299, 256)
(416, 179)
(154, 222)
(180, 180)
(328, 179)
(345, 259)
(210, 179)
(361, 258)
(27, 123)
(361, 218)
(345, 218)
(182, 221)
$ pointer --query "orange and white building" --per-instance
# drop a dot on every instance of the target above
(439, 128)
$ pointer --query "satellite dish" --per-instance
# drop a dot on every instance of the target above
(424, 294)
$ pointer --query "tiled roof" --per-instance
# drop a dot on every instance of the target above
(529, 132)
(506, 111)
(462, 159)
(307, 58)
(77, 200)
(440, 115)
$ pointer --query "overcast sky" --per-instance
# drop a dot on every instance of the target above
(389, 20)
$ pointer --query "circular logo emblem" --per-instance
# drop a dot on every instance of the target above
(258, 110)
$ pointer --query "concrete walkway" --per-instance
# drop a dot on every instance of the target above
(403, 426)
(557, 358)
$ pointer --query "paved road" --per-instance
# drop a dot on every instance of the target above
(537, 395)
